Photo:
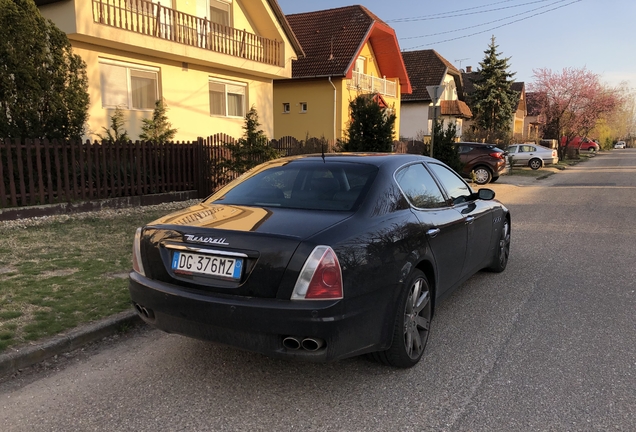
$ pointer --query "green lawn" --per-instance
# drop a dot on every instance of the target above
(57, 275)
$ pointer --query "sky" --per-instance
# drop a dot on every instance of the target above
(598, 35)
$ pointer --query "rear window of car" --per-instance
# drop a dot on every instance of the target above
(302, 185)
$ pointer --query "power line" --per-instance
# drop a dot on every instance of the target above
(497, 27)
(486, 23)
(463, 13)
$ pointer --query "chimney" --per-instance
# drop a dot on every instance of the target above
(469, 69)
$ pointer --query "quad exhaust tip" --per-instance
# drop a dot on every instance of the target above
(294, 343)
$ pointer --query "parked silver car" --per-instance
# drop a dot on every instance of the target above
(619, 145)
(532, 155)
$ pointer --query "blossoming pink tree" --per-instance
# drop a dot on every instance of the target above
(572, 102)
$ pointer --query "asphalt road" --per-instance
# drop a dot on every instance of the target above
(548, 345)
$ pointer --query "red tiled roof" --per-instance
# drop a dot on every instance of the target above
(455, 108)
(332, 39)
(426, 68)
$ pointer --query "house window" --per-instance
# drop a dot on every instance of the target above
(286, 108)
(128, 86)
(220, 12)
(303, 107)
(359, 66)
(227, 98)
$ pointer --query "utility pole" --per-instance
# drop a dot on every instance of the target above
(435, 92)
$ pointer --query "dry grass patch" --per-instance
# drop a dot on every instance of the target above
(61, 272)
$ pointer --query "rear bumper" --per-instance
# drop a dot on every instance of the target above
(347, 327)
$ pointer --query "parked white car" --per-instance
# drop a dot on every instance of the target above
(619, 145)
(532, 155)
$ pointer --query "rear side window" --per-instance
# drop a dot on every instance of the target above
(419, 187)
(303, 185)
(456, 188)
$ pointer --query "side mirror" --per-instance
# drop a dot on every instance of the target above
(486, 194)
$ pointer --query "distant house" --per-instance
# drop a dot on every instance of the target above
(429, 68)
(518, 123)
(348, 51)
(211, 60)
(534, 118)
(518, 127)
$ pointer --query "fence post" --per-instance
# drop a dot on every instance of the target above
(29, 156)
(3, 193)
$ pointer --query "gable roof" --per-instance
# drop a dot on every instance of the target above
(469, 79)
(286, 27)
(332, 40)
(427, 68)
(534, 102)
(455, 108)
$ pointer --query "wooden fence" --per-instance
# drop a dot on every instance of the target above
(35, 172)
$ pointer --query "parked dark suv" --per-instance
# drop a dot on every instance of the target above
(487, 161)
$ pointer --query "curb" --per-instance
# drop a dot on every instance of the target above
(28, 355)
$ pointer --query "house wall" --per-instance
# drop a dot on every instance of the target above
(184, 71)
(318, 93)
(318, 121)
(185, 91)
(415, 121)
(371, 68)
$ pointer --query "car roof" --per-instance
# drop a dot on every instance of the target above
(377, 159)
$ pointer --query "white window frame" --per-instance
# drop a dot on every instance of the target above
(204, 9)
(129, 68)
(286, 107)
(303, 107)
(229, 85)
(360, 64)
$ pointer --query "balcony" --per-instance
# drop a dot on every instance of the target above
(371, 84)
(152, 19)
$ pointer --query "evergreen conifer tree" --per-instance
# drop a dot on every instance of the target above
(248, 151)
(445, 149)
(371, 128)
(157, 128)
(43, 85)
(493, 102)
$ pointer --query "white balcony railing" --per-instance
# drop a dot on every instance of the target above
(369, 83)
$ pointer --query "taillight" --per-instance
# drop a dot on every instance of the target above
(497, 155)
(137, 264)
(320, 278)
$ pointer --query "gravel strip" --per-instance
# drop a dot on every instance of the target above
(101, 214)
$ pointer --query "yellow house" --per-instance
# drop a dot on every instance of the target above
(210, 60)
(521, 112)
(348, 51)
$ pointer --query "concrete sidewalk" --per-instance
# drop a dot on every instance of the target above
(21, 357)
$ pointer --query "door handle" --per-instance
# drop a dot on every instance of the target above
(470, 219)
(433, 232)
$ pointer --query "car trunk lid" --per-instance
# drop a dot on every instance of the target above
(215, 239)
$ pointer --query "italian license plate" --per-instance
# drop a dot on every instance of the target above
(211, 265)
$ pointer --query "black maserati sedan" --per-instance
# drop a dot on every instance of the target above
(320, 257)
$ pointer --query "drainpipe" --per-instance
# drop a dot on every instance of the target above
(334, 109)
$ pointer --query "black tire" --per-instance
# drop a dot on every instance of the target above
(494, 179)
(483, 175)
(411, 324)
(535, 164)
(502, 253)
